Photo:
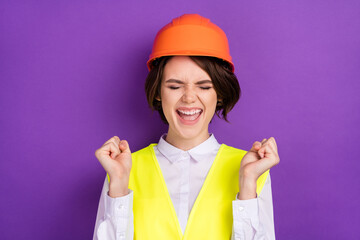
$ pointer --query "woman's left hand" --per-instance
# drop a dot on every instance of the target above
(260, 158)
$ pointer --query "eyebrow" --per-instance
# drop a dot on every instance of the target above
(181, 82)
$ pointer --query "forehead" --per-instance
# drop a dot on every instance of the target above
(183, 68)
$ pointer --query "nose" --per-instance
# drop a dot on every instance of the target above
(189, 95)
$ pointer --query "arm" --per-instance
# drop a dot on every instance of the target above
(114, 218)
(253, 218)
(253, 215)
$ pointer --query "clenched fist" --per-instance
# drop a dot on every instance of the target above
(115, 157)
(260, 158)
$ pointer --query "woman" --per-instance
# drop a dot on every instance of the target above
(188, 186)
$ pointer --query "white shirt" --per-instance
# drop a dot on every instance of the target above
(184, 173)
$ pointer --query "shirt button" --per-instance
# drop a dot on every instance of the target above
(241, 208)
(121, 207)
(122, 235)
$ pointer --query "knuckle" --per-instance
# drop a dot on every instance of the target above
(97, 152)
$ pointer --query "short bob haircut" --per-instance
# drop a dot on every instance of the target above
(225, 83)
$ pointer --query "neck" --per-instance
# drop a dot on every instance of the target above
(184, 143)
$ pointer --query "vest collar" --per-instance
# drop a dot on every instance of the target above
(198, 153)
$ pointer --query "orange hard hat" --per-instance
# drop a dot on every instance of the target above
(191, 35)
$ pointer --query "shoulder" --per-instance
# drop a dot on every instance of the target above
(232, 150)
(148, 150)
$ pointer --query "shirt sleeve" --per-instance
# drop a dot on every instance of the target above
(253, 218)
(114, 220)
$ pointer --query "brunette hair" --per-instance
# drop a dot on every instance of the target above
(224, 81)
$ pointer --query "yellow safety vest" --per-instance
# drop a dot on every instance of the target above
(211, 216)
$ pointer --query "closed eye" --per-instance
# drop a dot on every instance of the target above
(203, 88)
(172, 87)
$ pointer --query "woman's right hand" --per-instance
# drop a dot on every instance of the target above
(115, 157)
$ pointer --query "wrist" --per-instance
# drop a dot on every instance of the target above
(118, 188)
(247, 188)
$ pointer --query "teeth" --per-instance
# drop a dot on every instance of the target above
(192, 112)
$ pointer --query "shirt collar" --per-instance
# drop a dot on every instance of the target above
(198, 153)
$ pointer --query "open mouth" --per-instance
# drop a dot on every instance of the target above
(189, 116)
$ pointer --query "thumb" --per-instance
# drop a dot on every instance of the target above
(255, 147)
(124, 146)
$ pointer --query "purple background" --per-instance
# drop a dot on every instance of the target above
(72, 76)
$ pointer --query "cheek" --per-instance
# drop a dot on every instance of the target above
(211, 100)
(168, 100)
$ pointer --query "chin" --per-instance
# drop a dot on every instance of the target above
(189, 133)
